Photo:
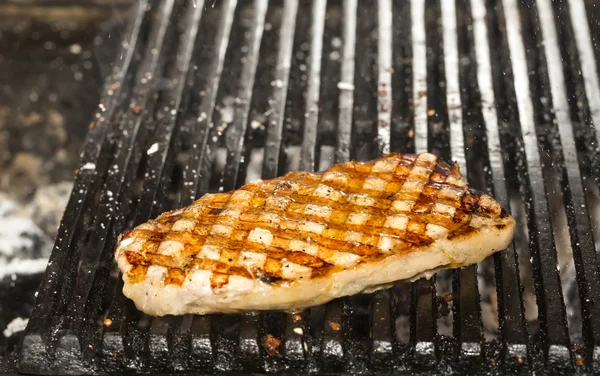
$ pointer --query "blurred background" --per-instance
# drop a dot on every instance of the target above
(54, 56)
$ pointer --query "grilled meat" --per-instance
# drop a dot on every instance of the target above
(306, 238)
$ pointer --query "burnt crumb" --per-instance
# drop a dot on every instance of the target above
(268, 278)
(284, 185)
(271, 346)
(214, 211)
(520, 360)
(503, 214)
(500, 227)
(442, 305)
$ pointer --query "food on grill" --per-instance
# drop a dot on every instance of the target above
(306, 238)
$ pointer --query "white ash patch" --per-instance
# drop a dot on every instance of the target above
(18, 324)
(47, 207)
(24, 248)
(19, 236)
(18, 266)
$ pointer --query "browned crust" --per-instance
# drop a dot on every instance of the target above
(444, 185)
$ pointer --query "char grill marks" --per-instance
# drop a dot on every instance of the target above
(308, 225)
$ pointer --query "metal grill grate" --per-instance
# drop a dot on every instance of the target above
(207, 96)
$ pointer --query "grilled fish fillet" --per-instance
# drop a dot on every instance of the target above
(307, 238)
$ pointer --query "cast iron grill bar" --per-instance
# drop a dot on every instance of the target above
(200, 122)
(423, 311)
(384, 82)
(440, 138)
(402, 141)
(335, 354)
(125, 160)
(272, 154)
(359, 310)
(346, 85)
(382, 334)
(552, 311)
(453, 99)
(582, 117)
(511, 315)
(247, 347)
(419, 78)
(308, 153)
(295, 341)
(580, 227)
(149, 202)
(424, 300)
(196, 173)
(555, 177)
(248, 350)
(588, 63)
(332, 345)
(167, 107)
(294, 326)
(84, 179)
(157, 172)
(515, 174)
(443, 279)
(234, 140)
(402, 116)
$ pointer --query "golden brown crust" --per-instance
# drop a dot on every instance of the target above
(310, 225)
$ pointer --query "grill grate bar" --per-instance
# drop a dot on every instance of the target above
(168, 106)
(581, 236)
(581, 105)
(424, 321)
(346, 86)
(423, 291)
(86, 174)
(542, 243)
(248, 351)
(273, 152)
(308, 153)
(196, 173)
(200, 122)
(453, 100)
(419, 69)
(157, 176)
(150, 204)
(588, 62)
(382, 354)
(234, 139)
(402, 117)
(125, 161)
(332, 345)
(384, 82)
(381, 318)
(511, 315)
(295, 347)
(443, 279)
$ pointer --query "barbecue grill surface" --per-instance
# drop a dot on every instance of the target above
(207, 96)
